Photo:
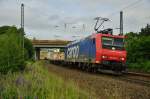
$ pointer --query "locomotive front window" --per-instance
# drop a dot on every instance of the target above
(118, 42)
(109, 42)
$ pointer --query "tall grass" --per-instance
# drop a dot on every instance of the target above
(37, 83)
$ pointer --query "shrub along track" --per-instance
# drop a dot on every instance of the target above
(103, 86)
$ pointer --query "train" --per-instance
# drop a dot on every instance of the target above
(99, 51)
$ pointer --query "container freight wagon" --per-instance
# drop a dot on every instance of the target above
(81, 51)
(98, 51)
(57, 56)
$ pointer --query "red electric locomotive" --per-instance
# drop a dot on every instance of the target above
(110, 51)
(99, 51)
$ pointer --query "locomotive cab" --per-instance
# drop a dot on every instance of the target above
(111, 52)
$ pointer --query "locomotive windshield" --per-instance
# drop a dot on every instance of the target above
(109, 43)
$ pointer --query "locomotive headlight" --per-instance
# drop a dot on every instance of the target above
(122, 59)
(104, 57)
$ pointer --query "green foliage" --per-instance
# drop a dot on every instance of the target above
(4, 29)
(11, 51)
(138, 49)
(29, 49)
(37, 82)
(140, 66)
(145, 31)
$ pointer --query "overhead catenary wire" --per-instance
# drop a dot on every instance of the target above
(132, 4)
(126, 7)
(66, 25)
(116, 12)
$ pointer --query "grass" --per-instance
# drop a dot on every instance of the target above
(35, 82)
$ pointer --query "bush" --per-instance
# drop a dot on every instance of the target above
(140, 66)
(29, 49)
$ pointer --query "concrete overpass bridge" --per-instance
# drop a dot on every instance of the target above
(48, 44)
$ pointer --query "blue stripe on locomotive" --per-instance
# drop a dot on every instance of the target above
(87, 50)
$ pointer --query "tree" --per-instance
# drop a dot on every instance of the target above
(145, 31)
(138, 49)
(11, 51)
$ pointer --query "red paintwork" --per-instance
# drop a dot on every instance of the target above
(112, 55)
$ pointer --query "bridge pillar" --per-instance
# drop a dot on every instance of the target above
(37, 53)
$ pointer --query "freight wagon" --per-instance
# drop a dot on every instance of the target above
(57, 56)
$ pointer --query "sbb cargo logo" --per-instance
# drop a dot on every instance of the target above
(73, 52)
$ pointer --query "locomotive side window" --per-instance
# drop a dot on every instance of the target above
(109, 42)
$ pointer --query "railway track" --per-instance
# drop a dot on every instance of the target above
(139, 78)
(131, 77)
(101, 84)
(139, 74)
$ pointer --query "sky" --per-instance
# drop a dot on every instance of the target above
(73, 19)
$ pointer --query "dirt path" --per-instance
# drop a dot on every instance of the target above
(102, 86)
